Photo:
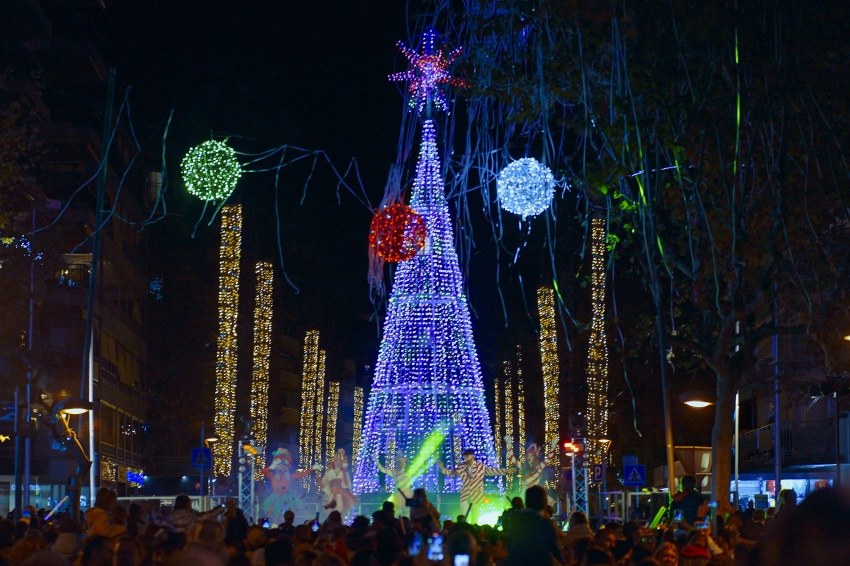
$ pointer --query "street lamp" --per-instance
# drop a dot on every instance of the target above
(697, 399)
(66, 435)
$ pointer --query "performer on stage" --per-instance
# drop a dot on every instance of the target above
(337, 485)
(472, 474)
(401, 480)
(531, 471)
(282, 499)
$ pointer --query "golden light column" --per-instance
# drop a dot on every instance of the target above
(308, 401)
(549, 359)
(358, 426)
(320, 409)
(497, 420)
(509, 415)
(262, 352)
(520, 405)
(597, 355)
(228, 308)
(333, 407)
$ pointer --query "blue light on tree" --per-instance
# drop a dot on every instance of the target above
(525, 187)
(427, 382)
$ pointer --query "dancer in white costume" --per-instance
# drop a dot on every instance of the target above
(401, 480)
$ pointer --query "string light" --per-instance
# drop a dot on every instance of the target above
(429, 71)
(509, 415)
(597, 355)
(333, 406)
(549, 359)
(427, 377)
(358, 426)
(308, 402)
(264, 276)
(525, 187)
(226, 347)
(211, 170)
(397, 232)
(320, 409)
(497, 425)
(520, 404)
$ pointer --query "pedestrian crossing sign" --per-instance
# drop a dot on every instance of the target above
(634, 476)
(201, 458)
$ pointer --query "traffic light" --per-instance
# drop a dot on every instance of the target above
(580, 460)
(569, 446)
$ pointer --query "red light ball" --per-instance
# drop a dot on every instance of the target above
(397, 233)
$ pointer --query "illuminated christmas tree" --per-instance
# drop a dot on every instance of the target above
(427, 397)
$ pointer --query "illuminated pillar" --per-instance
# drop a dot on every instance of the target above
(509, 415)
(549, 359)
(262, 351)
(597, 355)
(497, 421)
(319, 409)
(333, 407)
(308, 401)
(358, 426)
(228, 308)
(520, 405)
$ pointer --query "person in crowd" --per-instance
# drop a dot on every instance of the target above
(598, 557)
(97, 551)
(472, 474)
(667, 554)
(183, 518)
(579, 528)
(688, 501)
(422, 507)
(288, 526)
(695, 551)
(279, 552)
(605, 538)
(533, 539)
(100, 517)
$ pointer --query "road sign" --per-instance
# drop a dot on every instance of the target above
(201, 458)
(635, 476)
(598, 473)
(630, 461)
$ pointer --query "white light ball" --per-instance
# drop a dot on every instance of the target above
(525, 187)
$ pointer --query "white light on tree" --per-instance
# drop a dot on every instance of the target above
(509, 416)
(525, 187)
(228, 308)
(211, 170)
(520, 404)
(597, 355)
(262, 351)
(497, 424)
(549, 359)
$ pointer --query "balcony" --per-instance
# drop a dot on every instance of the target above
(805, 443)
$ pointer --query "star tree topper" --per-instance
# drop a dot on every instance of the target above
(429, 70)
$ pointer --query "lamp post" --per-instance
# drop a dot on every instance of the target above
(205, 443)
(66, 435)
(606, 445)
(702, 399)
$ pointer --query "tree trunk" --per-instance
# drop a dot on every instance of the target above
(721, 438)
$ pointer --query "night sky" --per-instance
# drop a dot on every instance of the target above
(312, 75)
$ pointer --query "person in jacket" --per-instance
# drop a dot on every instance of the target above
(99, 517)
(579, 529)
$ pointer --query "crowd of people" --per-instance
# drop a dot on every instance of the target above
(813, 532)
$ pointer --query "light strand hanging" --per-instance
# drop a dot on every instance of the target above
(358, 426)
(509, 416)
(259, 411)
(308, 402)
(497, 420)
(226, 345)
(330, 428)
(318, 438)
(549, 359)
(597, 355)
(520, 405)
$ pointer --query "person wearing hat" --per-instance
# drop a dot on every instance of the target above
(531, 470)
(281, 499)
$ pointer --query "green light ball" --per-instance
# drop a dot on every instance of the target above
(211, 170)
